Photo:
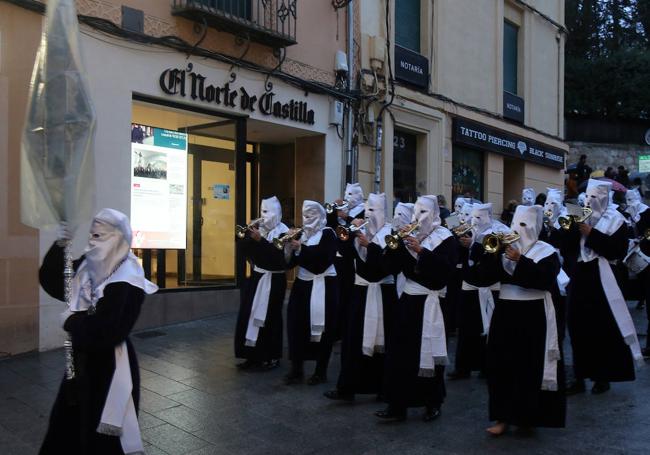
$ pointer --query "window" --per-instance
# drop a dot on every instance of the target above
(510, 57)
(407, 24)
(184, 195)
(467, 173)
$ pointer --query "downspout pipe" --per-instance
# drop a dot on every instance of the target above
(351, 158)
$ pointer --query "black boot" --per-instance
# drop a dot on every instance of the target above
(295, 376)
(600, 387)
(431, 413)
(337, 395)
(577, 386)
(391, 414)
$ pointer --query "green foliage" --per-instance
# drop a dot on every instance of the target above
(608, 58)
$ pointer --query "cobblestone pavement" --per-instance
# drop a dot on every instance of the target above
(194, 401)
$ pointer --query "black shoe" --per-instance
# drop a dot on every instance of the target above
(456, 375)
(316, 379)
(269, 365)
(600, 387)
(248, 364)
(431, 414)
(576, 387)
(293, 378)
(389, 414)
(336, 395)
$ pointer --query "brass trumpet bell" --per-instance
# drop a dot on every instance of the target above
(462, 230)
(566, 222)
(345, 232)
(280, 242)
(392, 241)
(493, 243)
(240, 231)
(330, 207)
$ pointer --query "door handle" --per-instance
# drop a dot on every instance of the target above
(201, 221)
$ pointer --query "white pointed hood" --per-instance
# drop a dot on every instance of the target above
(527, 222)
(465, 215)
(354, 197)
(597, 199)
(427, 213)
(375, 213)
(271, 212)
(109, 244)
(314, 218)
(635, 206)
(402, 215)
(554, 203)
(458, 205)
(528, 196)
(481, 218)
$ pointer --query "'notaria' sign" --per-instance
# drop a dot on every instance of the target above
(186, 82)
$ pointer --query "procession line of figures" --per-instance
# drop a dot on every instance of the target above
(391, 292)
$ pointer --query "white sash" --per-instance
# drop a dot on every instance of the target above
(118, 417)
(317, 299)
(619, 309)
(400, 283)
(433, 347)
(552, 347)
(260, 305)
(486, 302)
(373, 318)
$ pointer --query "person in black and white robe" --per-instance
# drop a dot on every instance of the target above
(478, 295)
(344, 262)
(450, 304)
(258, 335)
(525, 374)
(402, 215)
(313, 304)
(417, 351)
(639, 251)
(603, 337)
(368, 315)
(96, 411)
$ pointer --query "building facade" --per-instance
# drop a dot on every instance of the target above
(476, 106)
(227, 102)
(191, 133)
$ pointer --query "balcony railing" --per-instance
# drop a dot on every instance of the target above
(270, 22)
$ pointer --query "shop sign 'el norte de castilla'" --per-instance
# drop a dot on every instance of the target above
(184, 82)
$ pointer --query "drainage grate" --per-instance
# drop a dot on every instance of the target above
(150, 334)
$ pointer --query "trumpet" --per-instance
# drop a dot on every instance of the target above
(392, 241)
(461, 230)
(280, 242)
(345, 232)
(330, 207)
(566, 222)
(240, 231)
(548, 215)
(493, 243)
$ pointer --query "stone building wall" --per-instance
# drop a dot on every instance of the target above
(602, 156)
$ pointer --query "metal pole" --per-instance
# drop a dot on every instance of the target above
(351, 169)
(68, 273)
(378, 148)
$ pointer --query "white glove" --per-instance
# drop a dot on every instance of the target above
(64, 231)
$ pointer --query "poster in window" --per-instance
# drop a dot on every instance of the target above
(158, 187)
(467, 173)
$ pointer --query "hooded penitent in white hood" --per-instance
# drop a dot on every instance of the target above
(597, 199)
(314, 218)
(635, 206)
(465, 215)
(271, 212)
(554, 203)
(481, 219)
(582, 198)
(402, 215)
(354, 197)
(427, 213)
(375, 213)
(458, 205)
(109, 244)
(528, 196)
(527, 222)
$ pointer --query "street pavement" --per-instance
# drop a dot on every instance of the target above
(195, 402)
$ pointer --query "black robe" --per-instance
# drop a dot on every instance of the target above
(644, 277)
(316, 259)
(80, 402)
(470, 350)
(599, 351)
(403, 387)
(269, 339)
(344, 264)
(451, 302)
(516, 347)
(361, 373)
(560, 239)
